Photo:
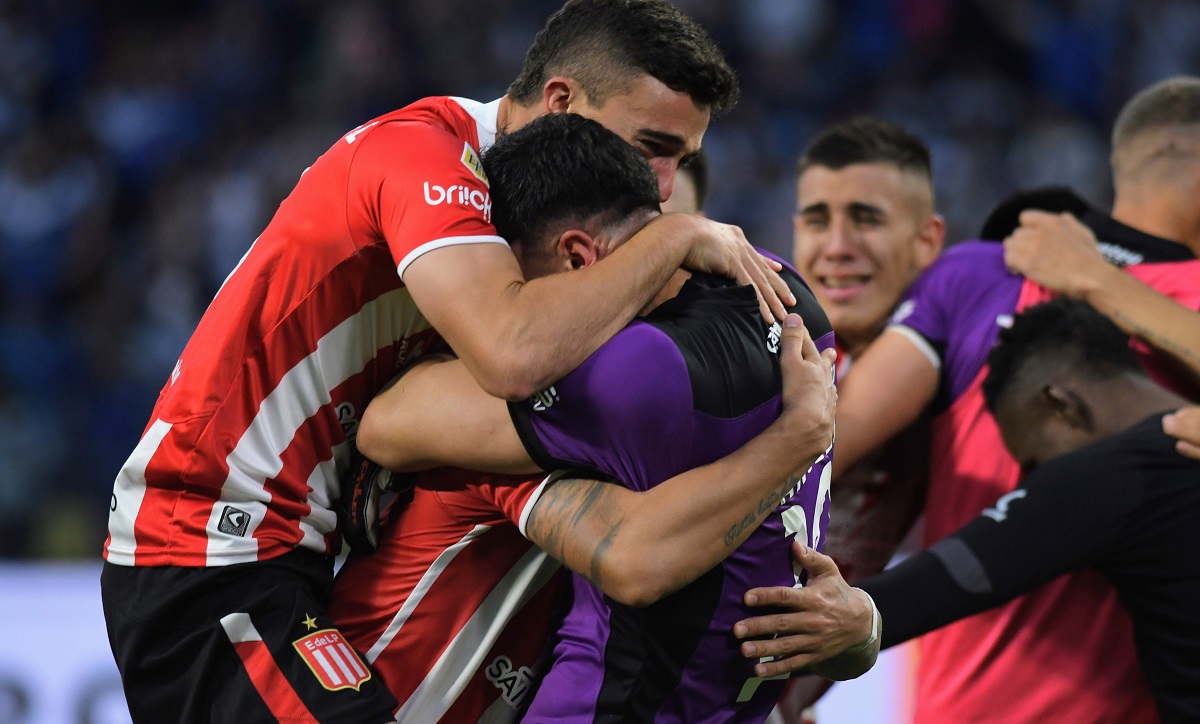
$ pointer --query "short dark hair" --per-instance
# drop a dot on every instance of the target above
(697, 169)
(1171, 102)
(1063, 333)
(604, 44)
(866, 140)
(561, 169)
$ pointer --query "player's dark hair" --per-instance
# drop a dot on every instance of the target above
(1006, 217)
(1062, 334)
(1171, 102)
(605, 44)
(866, 140)
(697, 169)
(562, 169)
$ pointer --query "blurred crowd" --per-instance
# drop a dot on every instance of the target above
(144, 145)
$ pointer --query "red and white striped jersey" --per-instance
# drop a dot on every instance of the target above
(453, 608)
(243, 453)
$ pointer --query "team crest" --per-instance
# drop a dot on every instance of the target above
(470, 159)
(331, 659)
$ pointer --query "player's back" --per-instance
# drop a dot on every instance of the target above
(676, 660)
(241, 458)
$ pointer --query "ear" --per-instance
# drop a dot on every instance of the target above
(1066, 405)
(560, 94)
(578, 249)
(931, 235)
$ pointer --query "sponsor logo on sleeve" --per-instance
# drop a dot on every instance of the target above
(332, 661)
(773, 336)
(999, 512)
(470, 159)
(460, 195)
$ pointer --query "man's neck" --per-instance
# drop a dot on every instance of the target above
(1120, 406)
(513, 115)
(1161, 212)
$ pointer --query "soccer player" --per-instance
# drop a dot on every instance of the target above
(1105, 490)
(691, 187)
(222, 528)
(658, 399)
(1066, 650)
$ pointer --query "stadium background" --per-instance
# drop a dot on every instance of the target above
(144, 145)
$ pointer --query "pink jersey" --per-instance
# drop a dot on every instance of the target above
(1064, 652)
(454, 607)
(245, 447)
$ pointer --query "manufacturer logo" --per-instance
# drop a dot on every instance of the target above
(332, 661)
(999, 512)
(462, 195)
(773, 336)
(513, 683)
(473, 164)
(234, 521)
(348, 419)
(352, 136)
(545, 399)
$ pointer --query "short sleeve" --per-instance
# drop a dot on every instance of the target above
(515, 497)
(422, 187)
(953, 310)
(626, 412)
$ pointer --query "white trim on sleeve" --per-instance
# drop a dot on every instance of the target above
(920, 342)
(551, 479)
(447, 241)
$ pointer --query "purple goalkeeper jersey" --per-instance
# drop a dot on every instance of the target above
(690, 383)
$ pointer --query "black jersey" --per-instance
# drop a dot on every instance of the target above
(1127, 506)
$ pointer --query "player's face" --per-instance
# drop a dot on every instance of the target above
(683, 199)
(862, 235)
(665, 125)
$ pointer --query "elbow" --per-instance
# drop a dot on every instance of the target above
(372, 442)
(510, 376)
(634, 581)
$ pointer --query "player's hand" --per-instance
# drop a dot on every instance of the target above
(1056, 251)
(722, 249)
(824, 619)
(809, 393)
(1185, 425)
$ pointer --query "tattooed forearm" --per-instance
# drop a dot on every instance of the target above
(759, 511)
(576, 522)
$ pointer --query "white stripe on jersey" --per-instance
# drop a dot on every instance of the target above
(439, 243)
(239, 628)
(418, 594)
(461, 660)
(487, 118)
(343, 352)
(128, 493)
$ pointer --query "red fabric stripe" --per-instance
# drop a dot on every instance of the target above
(271, 684)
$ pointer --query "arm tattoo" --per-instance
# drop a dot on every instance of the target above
(759, 511)
(1180, 352)
(575, 516)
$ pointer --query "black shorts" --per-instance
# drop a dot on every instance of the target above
(240, 643)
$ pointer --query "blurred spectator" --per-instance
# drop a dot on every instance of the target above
(143, 146)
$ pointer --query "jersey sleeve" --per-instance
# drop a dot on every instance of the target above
(952, 310)
(515, 497)
(1068, 514)
(625, 413)
(422, 187)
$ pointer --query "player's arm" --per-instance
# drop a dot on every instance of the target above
(640, 546)
(436, 414)
(517, 336)
(1060, 253)
(1062, 519)
(886, 390)
(1185, 425)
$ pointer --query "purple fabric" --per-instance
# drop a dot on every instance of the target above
(958, 305)
(643, 429)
